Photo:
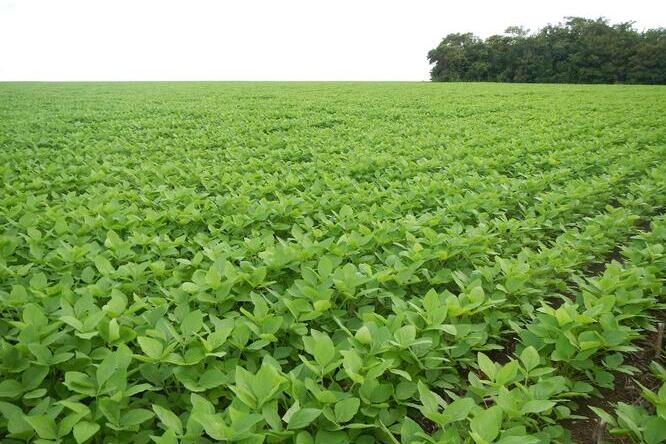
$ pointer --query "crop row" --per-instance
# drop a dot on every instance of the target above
(202, 263)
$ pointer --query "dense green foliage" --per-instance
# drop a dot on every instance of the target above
(327, 263)
(576, 51)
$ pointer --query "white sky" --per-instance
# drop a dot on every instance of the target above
(261, 39)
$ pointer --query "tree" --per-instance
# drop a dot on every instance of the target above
(456, 58)
(580, 50)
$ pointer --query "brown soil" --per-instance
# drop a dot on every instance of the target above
(599, 267)
(427, 425)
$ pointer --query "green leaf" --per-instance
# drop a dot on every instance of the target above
(406, 335)
(363, 335)
(10, 388)
(214, 277)
(562, 316)
(39, 281)
(321, 305)
(44, 426)
(150, 347)
(429, 400)
(256, 390)
(537, 406)
(304, 437)
(487, 366)
(296, 406)
(457, 410)
(80, 383)
(214, 425)
(266, 383)
(34, 315)
(192, 323)
(84, 430)
(655, 430)
(190, 287)
(325, 267)
(346, 409)
(243, 388)
(352, 364)
(302, 418)
(201, 404)
(110, 409)
(41, 352)
(270, 414)
(76, 407)
(431, 301)
(117, 304)
(106, 369)
(507, 373)
(409, 431)
(530, 358)
(169, 419)
(487, 423)
(103, 265)
(135, 417)
(169, 437)
(321, 347)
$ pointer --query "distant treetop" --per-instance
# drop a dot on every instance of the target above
(579, 50)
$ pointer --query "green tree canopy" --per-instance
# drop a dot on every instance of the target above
(579, 50)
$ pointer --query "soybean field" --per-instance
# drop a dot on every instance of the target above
(332, 263)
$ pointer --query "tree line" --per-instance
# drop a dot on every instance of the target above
(579, 50)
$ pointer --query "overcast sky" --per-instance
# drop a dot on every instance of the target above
(261, 39)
